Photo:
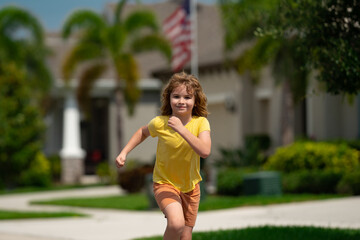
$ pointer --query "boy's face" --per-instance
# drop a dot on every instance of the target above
(182, 102)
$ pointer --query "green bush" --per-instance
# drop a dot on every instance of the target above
(314, 181)
(262, 141)
(350, 183)
(106, 174)
(55, 167)
(21, 126)
(255, 146)
(38, 174)
(252, 154)
(313, 155)
(351, 143)
(133, 179)
(230, 158)
(230, 181)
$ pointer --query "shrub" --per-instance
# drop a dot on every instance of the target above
(21, 126)
(230, 180)
(38, 174)
(313, 155)
(255, 146)
(262, 141)
(350, 183)
(133, 180)
(55, 167)
(314, 181)
(230, 158)
(106, 173)
(252, 154)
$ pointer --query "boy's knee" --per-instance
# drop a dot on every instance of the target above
(176, 226)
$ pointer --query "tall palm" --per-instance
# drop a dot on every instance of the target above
(111, 42)
(242, 19)
(22, 42)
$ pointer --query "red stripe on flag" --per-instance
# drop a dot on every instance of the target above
(177, 28)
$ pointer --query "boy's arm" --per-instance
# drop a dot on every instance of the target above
(200, 144)
(139, 136)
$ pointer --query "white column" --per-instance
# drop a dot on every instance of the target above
(71, 154)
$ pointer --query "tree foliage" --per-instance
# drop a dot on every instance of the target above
(22, 43)
(317, 35)
(329, 34)
(111, 41)
(21, 126)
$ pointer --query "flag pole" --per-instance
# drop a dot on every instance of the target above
(194, 43)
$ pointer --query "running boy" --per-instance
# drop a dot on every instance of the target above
(183, 137)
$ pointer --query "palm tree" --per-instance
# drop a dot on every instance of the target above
(22, 43)
(104, 43)
(243, 21)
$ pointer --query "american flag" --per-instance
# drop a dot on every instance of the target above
(177, 29)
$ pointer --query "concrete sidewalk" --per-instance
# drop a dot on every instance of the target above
(118, 225)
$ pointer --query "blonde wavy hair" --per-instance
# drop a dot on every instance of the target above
(192, 87)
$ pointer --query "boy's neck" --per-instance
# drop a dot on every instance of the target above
(184, 119)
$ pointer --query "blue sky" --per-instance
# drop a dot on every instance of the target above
(52, 13)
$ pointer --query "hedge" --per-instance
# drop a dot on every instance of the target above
(313, 155)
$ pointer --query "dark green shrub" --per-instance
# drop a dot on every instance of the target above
(21, 126)
(55, 167)
(133, 180)
(254, 149)
(315, 181)
(252, 154)
(350, 183)
(230, 180)
(230, 158)
(262, 141)
(313, 155)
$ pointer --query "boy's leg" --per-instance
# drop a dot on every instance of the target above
(187, 233)
(190, 203)
(175, 221)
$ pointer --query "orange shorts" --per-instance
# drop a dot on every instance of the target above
(166, 194)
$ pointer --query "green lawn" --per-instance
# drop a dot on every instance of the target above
(140, 201)
(51, 188)
(275, 233)
(8, 215)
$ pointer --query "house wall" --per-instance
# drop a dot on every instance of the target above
(331, 116)
(222, 89)
(147, 108)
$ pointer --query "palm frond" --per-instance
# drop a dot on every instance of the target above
(83, 20)
(118, 11)
(140, 20)
(83, 51)
(242, 17)
(36, 67)
(255, 58)
(127, 69)
(115, 39)
(153, 42)
(14, 18)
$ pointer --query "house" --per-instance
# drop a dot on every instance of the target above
(237, 106)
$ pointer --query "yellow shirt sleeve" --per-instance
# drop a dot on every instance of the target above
(152, 127)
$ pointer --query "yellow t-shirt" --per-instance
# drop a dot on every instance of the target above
(176, 162)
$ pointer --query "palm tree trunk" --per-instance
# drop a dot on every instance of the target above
(119, 126)
(288, 114)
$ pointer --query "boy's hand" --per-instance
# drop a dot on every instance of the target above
(175, 123)
(120, 160)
